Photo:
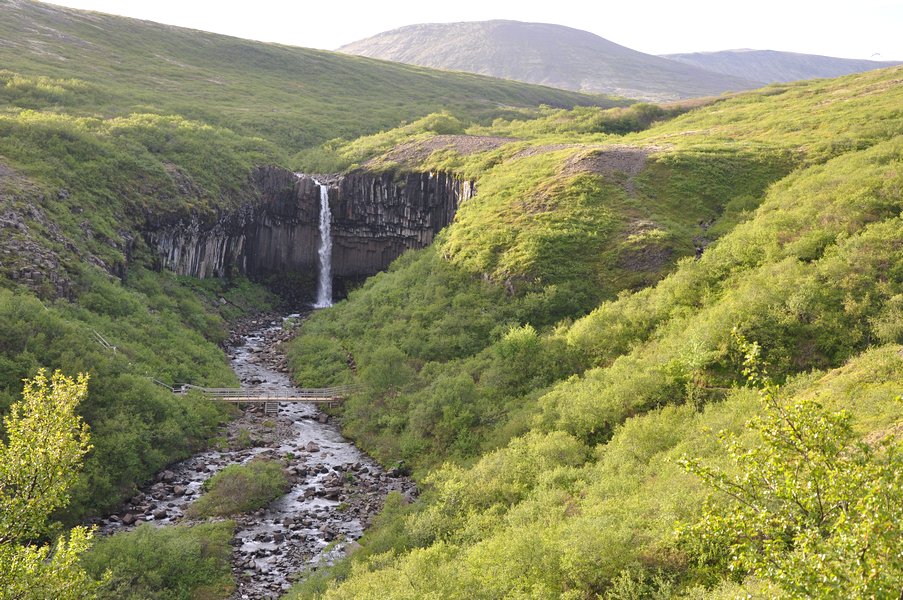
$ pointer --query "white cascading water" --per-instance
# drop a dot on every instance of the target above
(324, 282)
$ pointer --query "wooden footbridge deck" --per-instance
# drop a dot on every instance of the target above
(270, 399)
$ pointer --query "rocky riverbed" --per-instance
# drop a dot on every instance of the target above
(336, 489)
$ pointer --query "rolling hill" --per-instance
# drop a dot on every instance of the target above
(553, 366)
(546, 54)
(293, 97)
(771, 66)
(620, 284)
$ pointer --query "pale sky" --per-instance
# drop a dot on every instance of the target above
(849, 29)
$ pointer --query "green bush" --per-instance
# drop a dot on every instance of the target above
(809, 507)
(240, 489)
(138, 427)
(165, 563)
(318, 361)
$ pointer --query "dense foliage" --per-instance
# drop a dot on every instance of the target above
(548, 431)
(240, 489)
(39, 462)
(153, 328)
(165, 563)
(813, 509)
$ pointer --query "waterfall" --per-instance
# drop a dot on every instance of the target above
(324, 282)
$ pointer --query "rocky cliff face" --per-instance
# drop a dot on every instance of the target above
(375, 217)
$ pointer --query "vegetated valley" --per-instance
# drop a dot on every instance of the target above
(655, 353)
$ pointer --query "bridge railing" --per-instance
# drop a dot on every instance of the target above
(245, 394)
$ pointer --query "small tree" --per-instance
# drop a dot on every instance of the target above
(39, 461)
(810, 507)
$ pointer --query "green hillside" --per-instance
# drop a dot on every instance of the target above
(546, 366)
(554, 370)
(292, 97)
(128, 121)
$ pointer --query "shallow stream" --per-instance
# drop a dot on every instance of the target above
(335, 492)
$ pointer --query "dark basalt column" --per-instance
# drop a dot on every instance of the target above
(376, 216)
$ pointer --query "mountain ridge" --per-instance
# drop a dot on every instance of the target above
(774, 66)
(539, 52)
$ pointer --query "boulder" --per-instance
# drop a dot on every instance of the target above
(332, 493)
(328, 533)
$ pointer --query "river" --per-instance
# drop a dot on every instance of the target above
(336, 489)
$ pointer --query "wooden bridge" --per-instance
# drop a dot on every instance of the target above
(270, 399)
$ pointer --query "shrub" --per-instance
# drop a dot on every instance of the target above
(165, 563)
(241, 488)
(318, 361)
(811, 508)
(42, 445)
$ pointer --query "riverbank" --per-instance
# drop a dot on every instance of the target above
(335, 492)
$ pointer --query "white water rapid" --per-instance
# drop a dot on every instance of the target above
(324, 283)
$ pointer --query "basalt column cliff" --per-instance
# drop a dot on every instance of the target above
(274, 237)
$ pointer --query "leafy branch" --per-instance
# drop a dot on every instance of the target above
(807, 506)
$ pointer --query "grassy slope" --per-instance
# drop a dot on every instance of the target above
(549, 517)
(293, 97)
(105, 121)
(131, 118)
(590, 492)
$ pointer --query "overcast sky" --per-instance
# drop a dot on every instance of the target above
(850, 29)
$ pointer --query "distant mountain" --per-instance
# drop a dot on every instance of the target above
(771, 66)
(295, 97)
(551, 55)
